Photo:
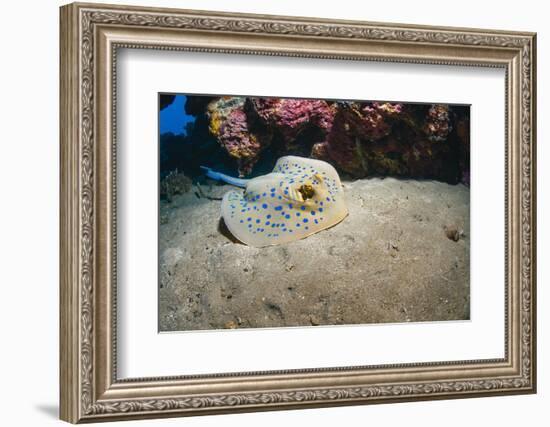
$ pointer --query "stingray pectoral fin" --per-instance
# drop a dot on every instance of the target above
(234, 213)
(218, 176)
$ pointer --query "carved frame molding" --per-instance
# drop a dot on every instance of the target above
(90, 37)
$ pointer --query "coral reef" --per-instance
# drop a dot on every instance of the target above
(438, 126)
(246, 135)
(174, 183)
(229, 123)
(388, 139)
(355, 125)
(292, 117)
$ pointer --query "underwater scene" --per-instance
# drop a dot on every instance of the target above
(279, 212)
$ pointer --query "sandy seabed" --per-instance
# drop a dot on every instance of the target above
(402, 255)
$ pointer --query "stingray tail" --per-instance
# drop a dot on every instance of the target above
(218, 176)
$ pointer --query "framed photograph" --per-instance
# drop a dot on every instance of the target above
(266, 212)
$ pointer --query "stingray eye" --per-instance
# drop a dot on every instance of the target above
(306, 191)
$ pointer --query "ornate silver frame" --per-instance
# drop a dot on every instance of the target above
(90, 36)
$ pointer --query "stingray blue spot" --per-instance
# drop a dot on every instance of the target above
(273, 225)
(257, 221)
(290, 205)
(278, 208)
(267, 223)
(264, 206)
(284, 229)
(303, 208)
(312, 212)
(305, 220)
(287, 216)
(273, 190)
(280, 197)
(249, 219)
(316, 222)
(328, 199)
(298, 213)
(265, 194)
(269, 216)
(297, 225)
(241, 221)
(243, 210)
(320, 209)
(249, 225)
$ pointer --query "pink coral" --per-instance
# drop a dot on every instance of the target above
(292, 116)
(343, 144)
(360, 138)
(438, 123)
(229, 123)
(355, 125)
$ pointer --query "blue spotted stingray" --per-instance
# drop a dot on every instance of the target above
(300, 197)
